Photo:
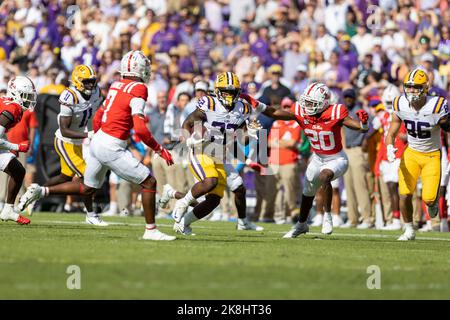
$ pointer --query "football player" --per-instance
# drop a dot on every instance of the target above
(122, 110)
(77, 105)
(322, 123)
(21, 95)
(222, 115)
(424, 116)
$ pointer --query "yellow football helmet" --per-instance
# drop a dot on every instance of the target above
(415, 84)
(227, 88)
(84, 79)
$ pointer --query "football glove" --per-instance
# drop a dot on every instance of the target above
(165, 154)
(363, 116)
(391, 153)
(252, 128)
(23, 146)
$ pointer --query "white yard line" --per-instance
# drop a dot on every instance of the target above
(364, 235)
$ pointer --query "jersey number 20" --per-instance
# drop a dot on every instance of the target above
(318, 139)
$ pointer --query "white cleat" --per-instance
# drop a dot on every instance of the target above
(96, 221)
(297, 230)
(317, 220)
(180, 210)
(182, 228)
(395, 225)
(363, 226)
(156, 235)
(433, 210)
(32, 194)
(426, 227)
(166, 196)
(408, 235)
(244, 224)
(327, 225)
(337, 220)
(8, 214)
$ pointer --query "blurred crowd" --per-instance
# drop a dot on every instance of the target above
(276, 47)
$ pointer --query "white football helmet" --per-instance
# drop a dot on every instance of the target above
(334, 98)
(135, 64)
(315, 99)
(21, 90)
(389, 94)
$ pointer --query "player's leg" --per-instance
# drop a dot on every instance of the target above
(312, 184)
(409, 172)
(236, 185)
(125, 165)
(431, 176)
(336, 204)
(16, 172)
(318, 218)
(206, 172)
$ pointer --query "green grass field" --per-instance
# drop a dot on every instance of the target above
(218, 263)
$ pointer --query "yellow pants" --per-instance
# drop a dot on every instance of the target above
(426, 165)
(71, 157)
(203, 166)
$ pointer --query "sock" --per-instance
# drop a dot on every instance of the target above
(242, 221)
(189, 218)
(150, 226)
(91, 214)
(189, 198)
(396, 214)
(443, 207)
(409, 226)
(8, 205)
(327, 214)
(44, 191)
(67, 207)
(113, 207)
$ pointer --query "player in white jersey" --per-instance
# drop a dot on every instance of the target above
(77, 105)
(220, 117)
(424, 116)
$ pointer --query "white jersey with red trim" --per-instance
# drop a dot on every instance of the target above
(125, 98)
(323, 130)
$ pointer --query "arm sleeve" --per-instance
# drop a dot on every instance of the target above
(137, 106)
(143, 133)
(97, 121)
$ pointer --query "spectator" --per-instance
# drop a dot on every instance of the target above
(356, 185)
(284, 138)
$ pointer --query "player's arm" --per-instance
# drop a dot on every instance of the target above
(64, 127)
(444, 123)
(394, 127)
(351, 123)
(197, 116)
(6, 118)
(277, 114)
(137, 105)
(97, 121)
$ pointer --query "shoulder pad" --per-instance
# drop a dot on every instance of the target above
(137, 89)
(338, 112)
(439, 105)
(68, 97)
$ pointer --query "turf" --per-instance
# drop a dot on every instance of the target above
(217, 263)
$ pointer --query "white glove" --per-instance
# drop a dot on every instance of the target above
(391, 153)
(90, 134)
(252, 129)
(194, 141)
